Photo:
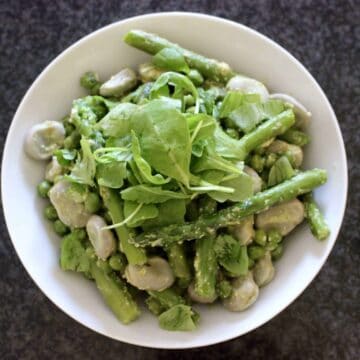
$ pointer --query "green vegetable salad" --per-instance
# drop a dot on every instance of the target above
(176, 184)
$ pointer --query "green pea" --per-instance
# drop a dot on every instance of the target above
(270, 160)
(60, 228)
(257, 163)
(277, 252)
(118, 262)
(89, 80)
(80, 234)
(260, 237)
(274, 236)
(43, 188)
(256, 252)
(223, 289)
(92, 203)
(195, 76)
(50, 213)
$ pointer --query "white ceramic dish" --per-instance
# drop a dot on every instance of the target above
(50, 97)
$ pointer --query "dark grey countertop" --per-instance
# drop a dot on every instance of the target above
(324, 322)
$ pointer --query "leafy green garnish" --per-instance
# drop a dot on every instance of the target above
(143, 165)
(170, 212)
(116, 122)
(280, 171)
(171, 59)
(248, 115)
(231, 255)
(179, 318)
(147, 211)
(181, 84)
(111, 174)
(150, 194)
(65, 156)
(84, 169)
(242, 185)
(164, 139)
(86, 112)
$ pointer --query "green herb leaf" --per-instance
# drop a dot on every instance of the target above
(231, 255)
(146, 212)
(232, 101)
(150, 194)
(65, 157)
(86, 112)
(280, 171)
(248, 115)
(84, 169)
(111, 174)
(181, 84)
(226, 146)
(178, 318)
(210, 160)
(242, 185)
(143, 165)
(116, 123)
(171, 59)
(164, 139)
(111, 154)
(170, 212)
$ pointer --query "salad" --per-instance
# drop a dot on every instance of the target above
(176, 184)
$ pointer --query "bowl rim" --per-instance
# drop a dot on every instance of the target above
(212, 18)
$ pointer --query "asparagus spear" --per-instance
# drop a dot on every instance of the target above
(269, 129)
(179, 264)
(204, 226)
(205, 267)
(112, 201)
(152, 44)
(205, 263)
(116, 295)
(315, 218)
(76, 257)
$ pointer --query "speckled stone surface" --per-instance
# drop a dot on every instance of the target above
(324, 322)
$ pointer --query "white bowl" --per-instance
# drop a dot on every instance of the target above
(50, 97)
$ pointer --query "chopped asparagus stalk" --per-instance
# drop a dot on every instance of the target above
(315, 218)
(152, 44)
(204, 226)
